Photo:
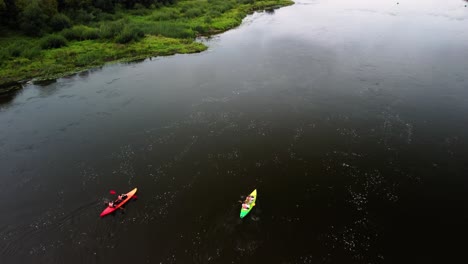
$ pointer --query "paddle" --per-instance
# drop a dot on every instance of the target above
(114, 192)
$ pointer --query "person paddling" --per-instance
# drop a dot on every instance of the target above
(120, 198)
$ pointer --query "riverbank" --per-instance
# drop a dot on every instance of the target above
(163, 31)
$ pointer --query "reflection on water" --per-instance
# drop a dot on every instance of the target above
(349, 117)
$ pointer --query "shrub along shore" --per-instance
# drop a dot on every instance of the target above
(65, 45)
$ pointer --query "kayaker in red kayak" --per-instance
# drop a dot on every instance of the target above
(114, 205)
(120, 198)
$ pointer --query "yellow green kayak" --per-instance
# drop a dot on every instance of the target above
(248, 204)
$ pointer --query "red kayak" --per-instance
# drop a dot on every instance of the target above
(109, 210)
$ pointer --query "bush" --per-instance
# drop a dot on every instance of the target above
(186, 6)
(16, 48)
(83, 17)
(208, 19)
(193, 12)
(91, 33)
(53, 41)
(105, 5)
(169, 29)
(20, 48)
(140, 10)
(129, 34)
(4, 55)
(31, 53)
(201, 28)
(89, 58)
(222, 7)
(80, 33)
(70, 34)
(214, 13)
(162, 15)
(110, 30)
(33, 19)
(109, 17)
(60, 21)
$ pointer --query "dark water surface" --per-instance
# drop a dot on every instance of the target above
(349, 117)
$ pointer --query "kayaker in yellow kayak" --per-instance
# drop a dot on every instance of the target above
(247, 202)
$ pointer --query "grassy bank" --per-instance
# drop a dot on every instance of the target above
(122, 36)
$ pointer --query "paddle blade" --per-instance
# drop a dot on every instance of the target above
(135, 197)
(112, 192)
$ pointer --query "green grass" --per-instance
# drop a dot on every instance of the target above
(133, 35)
(79, 55)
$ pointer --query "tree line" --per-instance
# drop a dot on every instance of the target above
(36, 17)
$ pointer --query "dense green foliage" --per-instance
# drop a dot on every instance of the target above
(60, 21)
(81, 33)
(50, 37)
(33, 20)
(41, 14)
(53, 41)
(129, 34)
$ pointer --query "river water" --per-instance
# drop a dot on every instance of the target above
(350, 118)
